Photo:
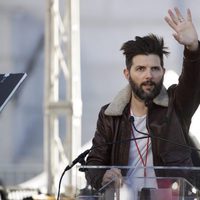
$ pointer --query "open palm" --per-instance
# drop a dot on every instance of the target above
(185, 32)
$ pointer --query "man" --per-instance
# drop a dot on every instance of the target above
(146, 106)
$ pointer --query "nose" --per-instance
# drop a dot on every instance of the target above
(148, 74)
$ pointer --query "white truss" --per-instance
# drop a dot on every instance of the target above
(62, 88)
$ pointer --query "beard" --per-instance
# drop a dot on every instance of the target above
(146, 96)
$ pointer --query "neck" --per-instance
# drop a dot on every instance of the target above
(138, 106)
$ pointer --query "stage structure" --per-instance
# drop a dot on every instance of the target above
(62, 89)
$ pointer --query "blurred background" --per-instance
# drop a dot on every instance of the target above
(104, 27)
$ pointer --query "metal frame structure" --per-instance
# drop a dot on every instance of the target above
(62, 88)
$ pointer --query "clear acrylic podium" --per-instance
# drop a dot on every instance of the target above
(150, 183)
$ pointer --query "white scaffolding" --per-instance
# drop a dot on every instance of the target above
(62, 88)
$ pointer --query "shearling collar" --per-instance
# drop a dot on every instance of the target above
(118, 104)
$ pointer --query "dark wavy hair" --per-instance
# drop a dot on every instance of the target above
(150, 44)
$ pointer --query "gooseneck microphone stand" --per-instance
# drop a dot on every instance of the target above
(81, 158)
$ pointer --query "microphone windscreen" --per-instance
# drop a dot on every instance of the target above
(131, 119)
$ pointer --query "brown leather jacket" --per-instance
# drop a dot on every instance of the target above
(169, 117)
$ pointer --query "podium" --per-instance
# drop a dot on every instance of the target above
(149, 183)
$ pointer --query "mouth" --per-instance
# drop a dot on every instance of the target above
(148, 86)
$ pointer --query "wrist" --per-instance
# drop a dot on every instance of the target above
(192, 55)
(193, 47)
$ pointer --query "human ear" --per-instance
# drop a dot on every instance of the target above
(164, 70)
(126, 73)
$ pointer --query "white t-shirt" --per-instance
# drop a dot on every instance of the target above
(134, 157)
(136, 184)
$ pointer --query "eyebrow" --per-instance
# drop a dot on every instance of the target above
(150, 66)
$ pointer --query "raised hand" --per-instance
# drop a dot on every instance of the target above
(185, 32)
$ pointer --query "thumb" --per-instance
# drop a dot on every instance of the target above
(176, 37)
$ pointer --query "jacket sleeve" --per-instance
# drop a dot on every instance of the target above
(187, 92)
(99, 155)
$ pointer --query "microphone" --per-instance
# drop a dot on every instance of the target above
(81, 158)
(132, 119)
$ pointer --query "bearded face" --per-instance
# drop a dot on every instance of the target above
(145, 76)
(152, 89)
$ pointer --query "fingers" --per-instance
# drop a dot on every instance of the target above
(176, 18)
(172, 20)
(185, 32)
(173, 17)
(113, 174)
(171, 23)
(179, 16)
(189, 15)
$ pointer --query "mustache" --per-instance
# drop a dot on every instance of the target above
(151, 83)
